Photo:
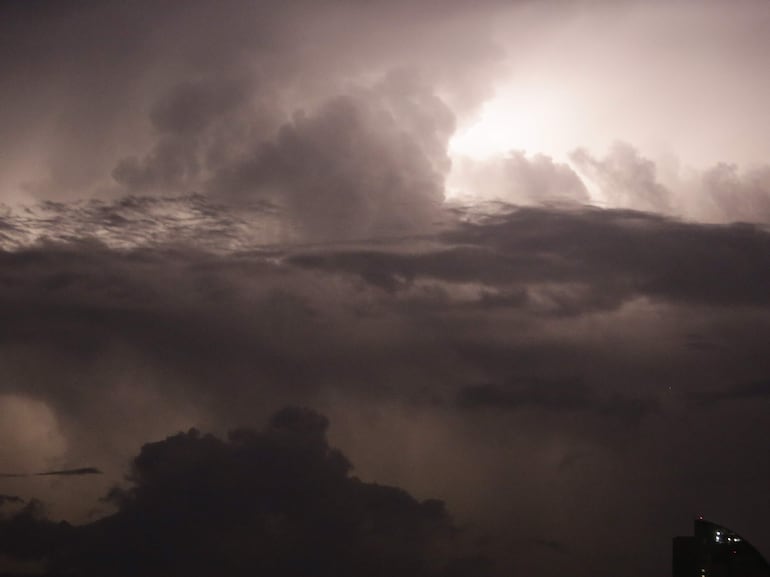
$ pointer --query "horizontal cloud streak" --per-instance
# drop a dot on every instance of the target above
(61, 473)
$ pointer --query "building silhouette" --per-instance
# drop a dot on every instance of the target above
(716, 551)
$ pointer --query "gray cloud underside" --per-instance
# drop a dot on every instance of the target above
(262, 311)
(583, 337)
(591, 258)
(141, 221)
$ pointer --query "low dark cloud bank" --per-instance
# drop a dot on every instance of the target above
(599, 258)
(279, 501)
(595, 349)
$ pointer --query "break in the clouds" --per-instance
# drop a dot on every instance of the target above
(516, 252)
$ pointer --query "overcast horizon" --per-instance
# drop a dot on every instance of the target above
(432, 288)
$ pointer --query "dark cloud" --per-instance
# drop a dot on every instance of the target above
(554, 395)
(279, 501)
(198, 126)
(28, 534)
(61, 473)
(549, 544)
(757, 390)
(566, 395)
(581, 260)
(215, 209)
(405, 318)
(143, 221)
(73, 472)
(581, 323)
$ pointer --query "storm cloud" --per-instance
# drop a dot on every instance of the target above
(517, 253)
(279, 501)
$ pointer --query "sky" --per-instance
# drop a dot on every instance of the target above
(435, 288)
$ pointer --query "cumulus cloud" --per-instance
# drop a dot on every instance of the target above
(280, 501)
(199, 126)
(518, 179)
(363, 165)
(624, 178)
(161, 112)
(735, 194)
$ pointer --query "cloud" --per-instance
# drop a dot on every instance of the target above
(625, 178)
(549, 544)
(72, 472)
(757, 390)
(280, 501)
(162, 113)
(231, 206)
(572, 261)
(31, 430)
(200, 325)
(738, 195)
(368, 161)
(213, 333)
(190, 107)
(518, 179)
(142, 221)
(28, 535)
(60, 473)
(722, 193)
(198, 126)
(363, 165)
(556, 395)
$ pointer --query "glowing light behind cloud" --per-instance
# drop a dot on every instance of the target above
(530, 118)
